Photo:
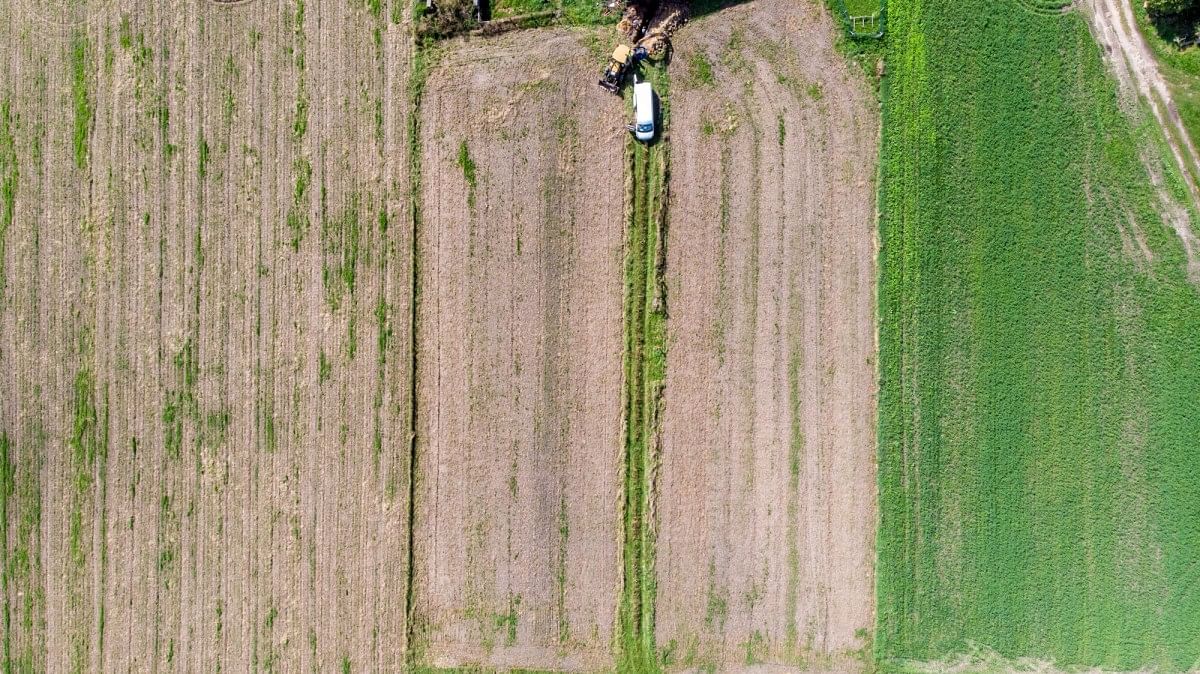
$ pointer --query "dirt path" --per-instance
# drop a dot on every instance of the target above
(519, 357)
(766, 489)
(204, 335)
(1115, 28)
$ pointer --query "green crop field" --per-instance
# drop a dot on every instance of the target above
(1039, 354)
(863, 7)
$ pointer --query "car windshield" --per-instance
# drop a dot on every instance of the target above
(645, 127)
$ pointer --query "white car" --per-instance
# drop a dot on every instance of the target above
(643, 111)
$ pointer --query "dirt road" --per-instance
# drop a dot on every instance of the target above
(1115, 28)
(767, 484)
(519, 357)
(203, 336)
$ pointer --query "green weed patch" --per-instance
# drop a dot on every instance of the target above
(503, 9)
(10, 177)
(7, 478)
(80, 63)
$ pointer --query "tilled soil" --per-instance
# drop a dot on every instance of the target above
(207, 354)
(518, 529)
(204, 336)
(766, 500)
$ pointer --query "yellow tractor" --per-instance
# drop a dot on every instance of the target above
(622, 59)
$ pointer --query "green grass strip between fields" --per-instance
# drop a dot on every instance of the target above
(645, 368)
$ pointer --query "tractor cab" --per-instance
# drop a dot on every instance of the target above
(623, 58)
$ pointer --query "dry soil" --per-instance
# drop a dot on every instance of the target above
(519, 344)
(204, 336)
(767, 484)
(214, 374)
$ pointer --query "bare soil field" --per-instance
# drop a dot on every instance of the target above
(518, 528)
(204, 361)
(230, 323)
(766, 491)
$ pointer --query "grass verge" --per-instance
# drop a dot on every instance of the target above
(645, 369)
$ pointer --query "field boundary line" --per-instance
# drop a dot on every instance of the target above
(421, 62)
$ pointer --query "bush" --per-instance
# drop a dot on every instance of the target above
(446, 18)
(1169, 7)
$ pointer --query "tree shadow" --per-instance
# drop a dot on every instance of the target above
(1178, 29)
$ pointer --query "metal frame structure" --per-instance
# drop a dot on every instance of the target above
(870, 26)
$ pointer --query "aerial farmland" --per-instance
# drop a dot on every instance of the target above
(374, 336)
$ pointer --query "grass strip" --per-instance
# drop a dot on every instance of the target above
(645, 369)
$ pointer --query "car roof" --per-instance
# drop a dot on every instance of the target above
(643, 91)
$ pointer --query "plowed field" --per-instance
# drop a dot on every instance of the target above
(766, 492)
(518, 527)
(204, 336)
(323, 351)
